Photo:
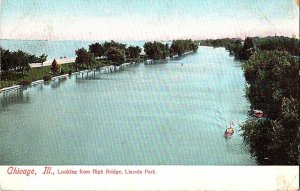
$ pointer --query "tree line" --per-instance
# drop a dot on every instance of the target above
(112, 51)
(157, 50)
(280, 43)
(236, 46)
(118, 53)
(272, 78)
(18, 61)
(271, 71)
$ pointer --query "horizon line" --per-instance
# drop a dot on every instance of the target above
(160, 40)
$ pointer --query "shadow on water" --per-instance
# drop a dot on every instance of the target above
(182, 56)
(164, 61)
(57, 83)
(12, 98)
(83, 78)
(101, 73)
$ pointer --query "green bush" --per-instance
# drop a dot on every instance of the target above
(24, 82)
(47, 78)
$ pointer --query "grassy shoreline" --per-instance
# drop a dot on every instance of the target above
(9, 79)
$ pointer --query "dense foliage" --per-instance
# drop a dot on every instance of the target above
(219, 42)
(112, 43)
(179, 47)
(116, 55)
(115, 52)
(234, 45)
(83, 57)
(133, 52)
(244, 52)
(272, 78)
(18, 60)
(241, 51)
(157, 51)
(96, 49)
(281, 43)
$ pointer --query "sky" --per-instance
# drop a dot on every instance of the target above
(146, 19)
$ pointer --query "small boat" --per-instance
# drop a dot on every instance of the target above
(229, 131)
(258, 113)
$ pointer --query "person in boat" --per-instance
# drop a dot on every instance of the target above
(230, 129)
(229, 132)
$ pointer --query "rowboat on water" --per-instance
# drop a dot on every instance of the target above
(229, 130)
(258, 113)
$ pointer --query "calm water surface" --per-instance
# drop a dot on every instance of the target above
(146, 115)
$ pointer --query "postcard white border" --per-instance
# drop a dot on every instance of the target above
(164, 178)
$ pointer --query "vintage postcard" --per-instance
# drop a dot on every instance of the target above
(149, 95)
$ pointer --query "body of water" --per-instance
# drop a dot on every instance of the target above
(172, 113)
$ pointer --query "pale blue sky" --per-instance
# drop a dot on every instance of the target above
(146, 19)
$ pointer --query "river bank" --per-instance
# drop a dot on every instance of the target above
(39, 70)
(105, 68)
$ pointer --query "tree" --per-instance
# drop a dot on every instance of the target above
(179, 47)
(156, 50)
(248, 44)
(18, 60)
(34, 59)
(116, 55)
(96, 49)
(166, 51)
(171, 52)
(83, 57)
(112, 43)
(6, 59)
(133, 52)
(280, 43)
(43, 58)
(194, 47)
(235, 48)
(247, 49)
(55, 67)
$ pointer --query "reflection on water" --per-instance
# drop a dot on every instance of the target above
(14, 97)
(159, 114)
(56, 83)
